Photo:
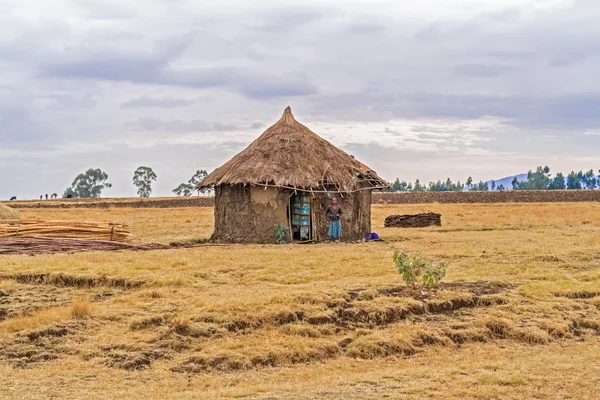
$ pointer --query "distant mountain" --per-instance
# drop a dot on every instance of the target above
(507, 182)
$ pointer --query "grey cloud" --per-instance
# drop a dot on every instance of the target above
(285, 19)
(576, 110)
(148, 102)
(104, 10)
(265, 87)
(113, 67)
(365, 28)
(508, 54)
(17, 125)
(180, 126)
(155, 69)
(482, 70)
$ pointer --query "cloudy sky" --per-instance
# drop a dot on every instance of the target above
(417, 89)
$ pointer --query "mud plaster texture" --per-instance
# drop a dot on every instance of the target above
(249, 214)
(356, 215)
(245, 214)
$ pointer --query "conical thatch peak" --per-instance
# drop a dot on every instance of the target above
(287, 118)
(290, 155)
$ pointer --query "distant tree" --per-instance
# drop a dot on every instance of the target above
(418, 187)
(184, 189)
(91, 183)
(483, 186)
(142, 179)
(574, 180)
(469, 183)
(197, 178)
(69, 193)
(515, 183)
(479, 187)
(398, 186)
(558, 183)
(447, 186)
(538, 180)
(589, 180)
(501, 187)
(493, 185)
(437, 187)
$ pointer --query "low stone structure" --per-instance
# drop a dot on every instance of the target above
(413, 221)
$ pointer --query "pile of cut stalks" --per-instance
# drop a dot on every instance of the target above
(45, 245)
(48, 245)
(64, 229)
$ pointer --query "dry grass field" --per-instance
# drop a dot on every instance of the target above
(518, 316)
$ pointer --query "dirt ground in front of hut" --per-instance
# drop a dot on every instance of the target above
(518, 315)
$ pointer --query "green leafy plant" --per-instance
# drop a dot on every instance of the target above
(281, 233)
(434, 273)
(416, 269)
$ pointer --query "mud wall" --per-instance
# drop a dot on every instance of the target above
(249, 215)
(356, 215)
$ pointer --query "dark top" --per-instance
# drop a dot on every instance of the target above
(334, 212)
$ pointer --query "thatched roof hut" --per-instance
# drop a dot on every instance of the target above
(289, 162)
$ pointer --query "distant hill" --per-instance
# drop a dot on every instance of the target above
(507, 182)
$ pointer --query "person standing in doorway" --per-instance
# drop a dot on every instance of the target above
(334, 212)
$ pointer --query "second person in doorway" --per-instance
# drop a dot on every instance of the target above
(334, 212)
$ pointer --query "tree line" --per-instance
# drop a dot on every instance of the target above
(441, 186)
(92, 182)
(540, 179)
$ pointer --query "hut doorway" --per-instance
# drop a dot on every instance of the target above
(302, 223)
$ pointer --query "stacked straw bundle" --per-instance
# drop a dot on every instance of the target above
(64, 229)
(8, 213)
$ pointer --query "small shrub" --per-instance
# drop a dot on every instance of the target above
(81, 309)
(415, 269)
(281, 233)
(434, 273)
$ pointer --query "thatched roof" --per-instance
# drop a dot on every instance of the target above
(290, 155)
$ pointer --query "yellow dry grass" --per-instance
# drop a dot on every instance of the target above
(8, 213)
(316, 321)
(35, 320)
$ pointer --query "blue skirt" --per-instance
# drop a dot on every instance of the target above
(335, 229)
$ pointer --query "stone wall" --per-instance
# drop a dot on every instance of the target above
(512, 196)
(172, 202)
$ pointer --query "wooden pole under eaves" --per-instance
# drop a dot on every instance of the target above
(313, 222)
(290, 218)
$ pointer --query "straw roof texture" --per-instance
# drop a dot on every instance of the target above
(290, 155)
(7, 213)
